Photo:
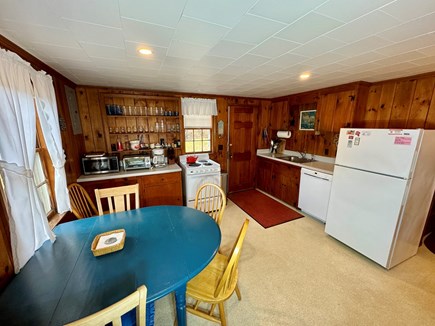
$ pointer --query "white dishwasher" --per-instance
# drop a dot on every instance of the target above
(314, 191)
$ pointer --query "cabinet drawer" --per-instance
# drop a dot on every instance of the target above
(159, 179)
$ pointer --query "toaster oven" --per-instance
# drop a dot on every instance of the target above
(98, 164)
(136, 162)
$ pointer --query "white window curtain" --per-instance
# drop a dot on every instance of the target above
(28, 223)
(47, 112)
(198, 106)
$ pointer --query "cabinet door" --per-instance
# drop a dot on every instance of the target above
(264, 174)
(285, 184)
(162, 189)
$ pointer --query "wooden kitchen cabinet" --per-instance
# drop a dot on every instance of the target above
(281, 180)
(264, 174)
(155, 189)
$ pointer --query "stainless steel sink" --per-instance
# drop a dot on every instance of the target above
(296, 159)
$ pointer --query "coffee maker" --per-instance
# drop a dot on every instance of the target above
(159, 159)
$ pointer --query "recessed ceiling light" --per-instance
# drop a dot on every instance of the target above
(145, 51)
(304, 75)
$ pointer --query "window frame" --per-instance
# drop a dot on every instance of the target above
(202, 140)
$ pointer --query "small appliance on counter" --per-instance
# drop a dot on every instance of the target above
(136, 162)
(99, 162)
(159, 159)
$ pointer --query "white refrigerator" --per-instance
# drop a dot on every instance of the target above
(384, 181)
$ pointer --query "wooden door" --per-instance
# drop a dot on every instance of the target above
(242, 147)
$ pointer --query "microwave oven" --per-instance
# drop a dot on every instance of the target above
(100, 164)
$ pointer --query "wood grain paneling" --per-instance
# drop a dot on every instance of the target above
(401, 103)
(420, 103)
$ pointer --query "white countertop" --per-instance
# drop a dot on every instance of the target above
(321, 164)
(132, 173)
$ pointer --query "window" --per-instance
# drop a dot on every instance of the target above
(197, 133)
(197, 140)
(40, 174)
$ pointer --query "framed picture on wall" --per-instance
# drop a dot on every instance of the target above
(307, 120)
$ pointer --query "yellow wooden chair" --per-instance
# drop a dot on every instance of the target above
(118, 198)
(81, 204)
(113, 313)
(211, 199)
(217, 282)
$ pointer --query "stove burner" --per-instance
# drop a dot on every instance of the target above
(202, 161)
(194, 164)
(208, 164)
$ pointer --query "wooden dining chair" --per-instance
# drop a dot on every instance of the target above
(118, 198)
(81, 204)
(211, 199)
(217, 282)
(114, 312)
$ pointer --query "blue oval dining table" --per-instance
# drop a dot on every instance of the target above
(165, 247)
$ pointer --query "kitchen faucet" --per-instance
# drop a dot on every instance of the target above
(303, 154)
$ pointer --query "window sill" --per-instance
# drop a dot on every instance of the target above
(55, 219)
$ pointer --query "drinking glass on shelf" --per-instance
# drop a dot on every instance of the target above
(134, 129)
(116, 130)
(140, 110)
(122, 130)
(140, 129)
(110, 129)
(128, 130)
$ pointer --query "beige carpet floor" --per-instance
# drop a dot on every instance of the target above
(295, 274)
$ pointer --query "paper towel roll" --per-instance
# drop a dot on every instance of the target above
(284, 134)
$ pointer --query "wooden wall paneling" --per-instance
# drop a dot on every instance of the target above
(279, 116)
(85, 119)
(401, 103)
(263, 123)
(325, 118)
(96, 115)
(220, 143)
(293, 142)
(385, 105)
(420, 103)
(372, 108)
(430, 119)
(362, 93)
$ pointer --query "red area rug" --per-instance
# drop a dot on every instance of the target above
(265, 210)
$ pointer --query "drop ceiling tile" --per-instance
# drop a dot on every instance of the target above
(100, 51)
(308, 27)
(403, 57)
(223, 12)
(325, 59)
(61, 52)
(407, 10)
(40, 34)
(415, 43)
(142, 63)
(151, 11)
(287, 60)
(266, 69)
(364, 27)
(243, 31)
(214, 61)
(286, 11)
(89, 11)
(429, 51)
(98, 34)
(250, 60)
(176, 63)
(230, 49)
(424, 62)
(361, 59)
(326, 69)
(235, 70)
(33, 15)
(187, 50)
(347, 11)
(199, 32)
(318, 46)
(364, 45)
(136, 31)
(274, 47)
(417, 27)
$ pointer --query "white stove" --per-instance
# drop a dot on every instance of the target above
(195, 175)
(203, 165)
